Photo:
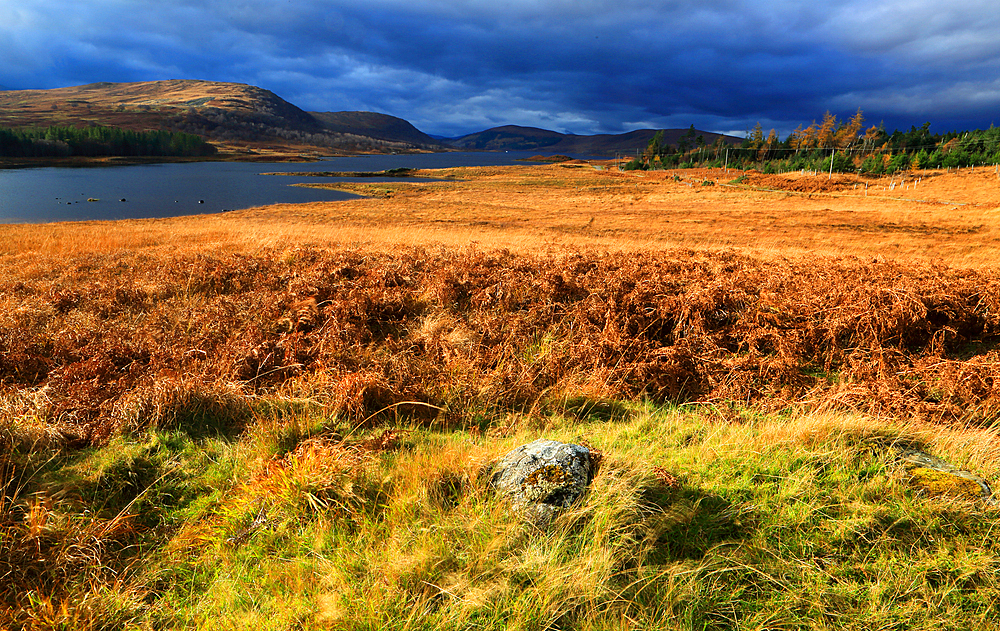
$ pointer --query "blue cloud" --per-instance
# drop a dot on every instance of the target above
(585, 66)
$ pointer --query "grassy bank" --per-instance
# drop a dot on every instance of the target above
(699, 518)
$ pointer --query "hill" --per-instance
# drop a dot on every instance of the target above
(507, 138)
(217, 110)
(375, 125)
(235, 115)
(516, 138)
(244, 117)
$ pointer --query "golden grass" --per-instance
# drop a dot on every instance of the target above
(950, 218)
(82, 300)
(556, 205)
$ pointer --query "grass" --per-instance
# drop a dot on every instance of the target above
(699, 518)
(204, 426)
(950, 220)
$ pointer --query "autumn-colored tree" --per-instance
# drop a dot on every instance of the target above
(847, 135)
(871, 135)
(795, 138)
(808, 137)
(827, 131)
(768, 145)
(755, 138)
(813, 135)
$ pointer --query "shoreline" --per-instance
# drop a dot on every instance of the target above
(244, 155)
(108, 161)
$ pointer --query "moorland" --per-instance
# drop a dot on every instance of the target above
(278, 417)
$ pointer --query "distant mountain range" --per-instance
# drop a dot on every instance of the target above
(515, 138)
(241, 117)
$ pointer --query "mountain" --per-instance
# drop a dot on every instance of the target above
(373, 125)
(239, 117)
(234, 115)
(508, 138)
(516, 138)
(202, 105)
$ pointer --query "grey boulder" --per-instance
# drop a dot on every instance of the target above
(543, 477)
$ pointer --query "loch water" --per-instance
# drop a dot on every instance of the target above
(40, 195)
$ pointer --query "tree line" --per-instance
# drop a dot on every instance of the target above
(97, 141)
(831, 145)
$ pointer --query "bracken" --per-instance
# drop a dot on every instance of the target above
(94, 345)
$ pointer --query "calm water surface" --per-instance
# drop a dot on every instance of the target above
(168, 190)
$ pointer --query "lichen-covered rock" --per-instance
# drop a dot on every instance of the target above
(933, 482)
(543, 477)
(934, 476)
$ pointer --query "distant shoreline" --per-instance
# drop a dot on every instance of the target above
(109, 161)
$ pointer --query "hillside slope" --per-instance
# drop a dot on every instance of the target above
(375, 125)
(241, 117)
(237, 115)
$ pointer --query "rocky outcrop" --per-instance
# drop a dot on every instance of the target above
(543, 478)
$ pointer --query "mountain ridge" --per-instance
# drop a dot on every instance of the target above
(518, 138)
(241, 117)
(376, 125)
(237, 116)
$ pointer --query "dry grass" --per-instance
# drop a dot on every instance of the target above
(535, 207)
(98, 344)
(117, 325)
(538, 208)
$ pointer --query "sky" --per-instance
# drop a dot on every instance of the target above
(453, 67)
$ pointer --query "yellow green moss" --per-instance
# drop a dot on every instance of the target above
(934, 482)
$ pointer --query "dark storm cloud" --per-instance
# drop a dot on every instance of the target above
(584, 66)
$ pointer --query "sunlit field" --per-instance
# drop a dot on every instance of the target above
(931, 216)
(278, 417)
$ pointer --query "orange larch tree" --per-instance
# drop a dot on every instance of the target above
(825, 135)
(847, 135)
